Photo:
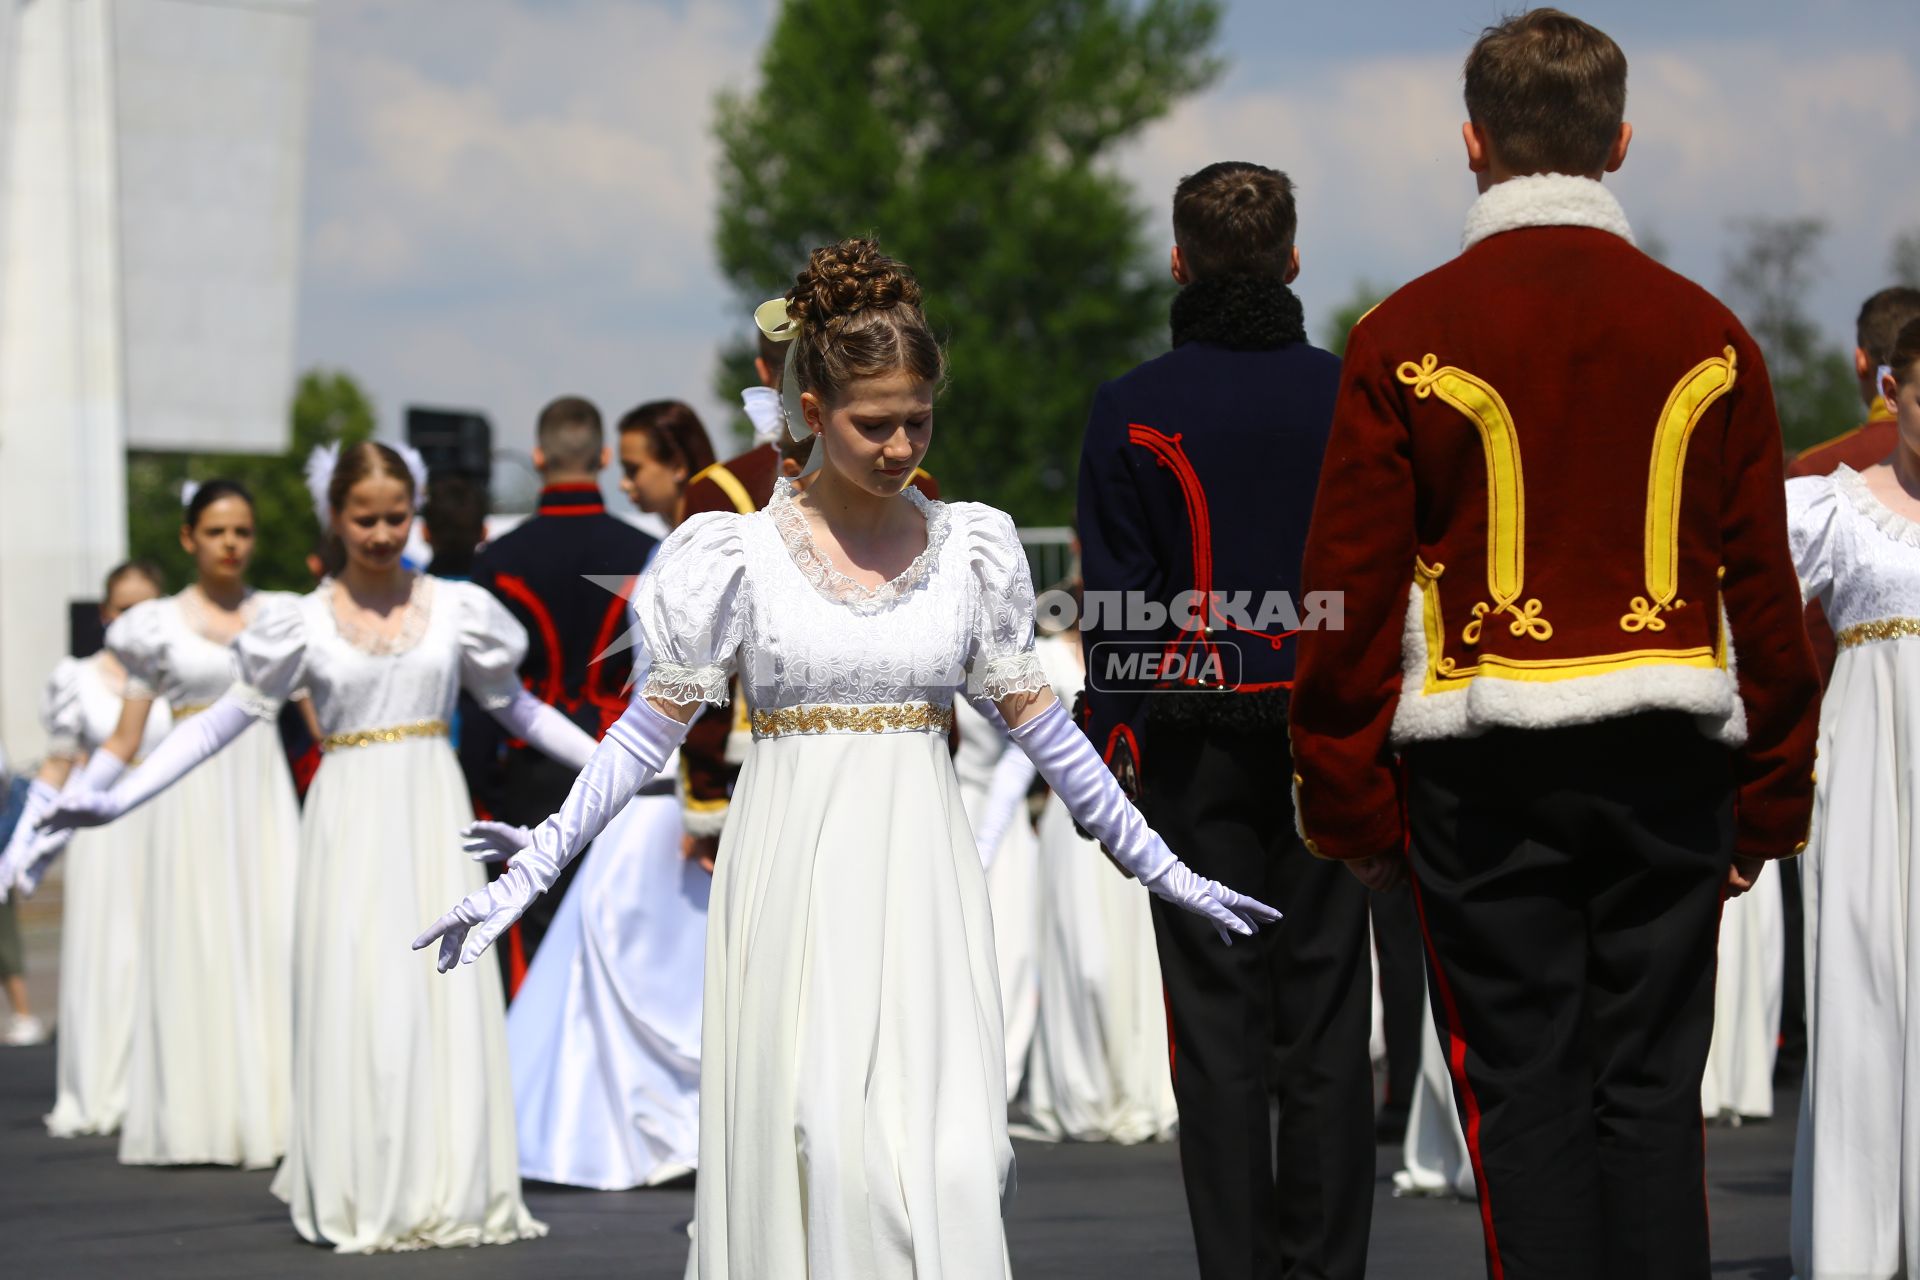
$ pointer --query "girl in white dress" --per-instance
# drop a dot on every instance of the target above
(1856, 1177)
(852, 1090)
(604, 1033)
(1099, 1071)
(402, 1118)
(210, 1068)
(102, 905)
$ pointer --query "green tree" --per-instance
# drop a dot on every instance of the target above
(975, 138)
(328, 406)
(1362, 298)
(1768, 276)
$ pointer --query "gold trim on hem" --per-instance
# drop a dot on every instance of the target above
(371, 737)
(1882, 629)
(890, 717)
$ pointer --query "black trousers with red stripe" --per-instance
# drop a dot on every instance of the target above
(1570, 882)
(1298, 995)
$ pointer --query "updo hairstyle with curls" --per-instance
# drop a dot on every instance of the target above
(860, 317)
(363, 461)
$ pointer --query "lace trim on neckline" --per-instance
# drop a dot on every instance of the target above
(413, 626)
(791, 524)
(1890, 522)
(194, 613)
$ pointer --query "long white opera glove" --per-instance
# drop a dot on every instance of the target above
(633, 751)
(1081, 779)
(546, 730)
(763, 410)
(21, 852)
(494, 841)
(1006, 794)
(190, 745)
(39, 850)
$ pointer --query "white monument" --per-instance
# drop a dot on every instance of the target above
(151, 154)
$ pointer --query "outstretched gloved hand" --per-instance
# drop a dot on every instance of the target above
(1087, 787)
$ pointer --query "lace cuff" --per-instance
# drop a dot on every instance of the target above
(135, 687)
(497, 695)
(682, 686)
(1012, 673)
(63, 745)
(259, 705)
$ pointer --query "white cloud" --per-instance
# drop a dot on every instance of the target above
(1721, 131)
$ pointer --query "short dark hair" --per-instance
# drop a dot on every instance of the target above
(1235, 218)
(674, 433)
(774, 353)
(570, 434)
(210, 492)
(456, 517)
(1905, 352)
(1882, 317)
(1550, 91)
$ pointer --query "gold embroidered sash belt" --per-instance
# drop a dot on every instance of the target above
(1883, 629)
(372, 737)
(889, 717)
(191, 709)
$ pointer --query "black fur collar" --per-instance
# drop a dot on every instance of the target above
(1240, 313)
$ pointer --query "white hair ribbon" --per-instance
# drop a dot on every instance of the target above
(189, 489)
(325, 457)
(778, 324)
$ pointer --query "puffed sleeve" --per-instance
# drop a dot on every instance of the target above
(691, 610)
(270, 656)
(1001, 661)
(60, 711)
(492, 645)
(1811, 504)
(137, 640)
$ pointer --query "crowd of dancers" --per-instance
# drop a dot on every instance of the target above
(865, 897)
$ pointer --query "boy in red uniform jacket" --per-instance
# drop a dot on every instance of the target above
(1573, 692)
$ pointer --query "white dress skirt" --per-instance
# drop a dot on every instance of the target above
(1856, 1177)
(1013, 888)
(1747, 992)
(604, 1035)
(1435, 1155)
(1099, 1070)
(103, 908)
(853, 1075)
(401, 1134)
(211, 1067)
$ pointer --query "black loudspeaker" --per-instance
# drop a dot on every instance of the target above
(85, 634)
(455, 442)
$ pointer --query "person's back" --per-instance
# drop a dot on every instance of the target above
(1197, 477)
(1572, 697)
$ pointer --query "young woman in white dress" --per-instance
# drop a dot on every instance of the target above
(852, 1090)
(1099, 1071)
(604, 1034)
(1856, 1176)
(210, 1069)
(402, 1116)
(102, 905)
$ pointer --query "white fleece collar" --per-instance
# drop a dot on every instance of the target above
(1544, 200)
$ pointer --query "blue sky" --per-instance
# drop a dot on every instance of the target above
(508, 201)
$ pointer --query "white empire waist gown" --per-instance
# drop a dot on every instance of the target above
(401, 1133)
(853, 1078)
(102, 912)
(210, 1071)
(1856, 1176)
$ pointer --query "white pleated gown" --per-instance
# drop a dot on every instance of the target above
(402, 1132)
(1013, 889)
(1856, 1177)
(604, 1034)
(853, 1077)
(210, 1069)
(1099, 1069)
(1748, 988)
(103, 909)
(1436, 1159)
